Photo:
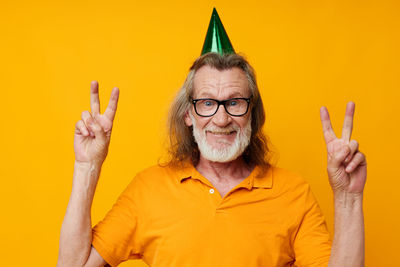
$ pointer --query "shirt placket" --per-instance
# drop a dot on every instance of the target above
(215, 197)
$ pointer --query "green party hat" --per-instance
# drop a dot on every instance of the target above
(216, 39)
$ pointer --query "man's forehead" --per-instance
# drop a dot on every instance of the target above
(208, 80)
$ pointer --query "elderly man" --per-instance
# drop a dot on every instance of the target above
(217, 201)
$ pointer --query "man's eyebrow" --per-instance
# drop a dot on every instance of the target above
(235, 94)
(210, 95)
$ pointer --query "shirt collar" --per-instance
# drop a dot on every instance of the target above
(256, 179)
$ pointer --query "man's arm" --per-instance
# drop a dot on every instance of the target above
(348, 241)
(76, 230)
(347, 171)
(91, 142)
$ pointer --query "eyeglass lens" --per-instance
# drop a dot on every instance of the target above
(207, 107)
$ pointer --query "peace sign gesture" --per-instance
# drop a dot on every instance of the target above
(347, 167)
(93, 131)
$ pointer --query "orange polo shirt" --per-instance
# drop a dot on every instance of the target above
(177, 218)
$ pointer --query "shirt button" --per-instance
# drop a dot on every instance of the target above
(211, 191)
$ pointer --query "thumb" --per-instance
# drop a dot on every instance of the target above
(98, 131)
(337, 158)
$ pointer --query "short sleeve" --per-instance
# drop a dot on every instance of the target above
(312, 244)
(116, 237)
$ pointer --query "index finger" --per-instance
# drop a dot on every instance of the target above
(348, 121)
(329, 134)
(112, 104)
(94, 98)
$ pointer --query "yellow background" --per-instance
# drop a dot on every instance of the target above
(306, 54)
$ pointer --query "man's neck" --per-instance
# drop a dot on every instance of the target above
(224, 171)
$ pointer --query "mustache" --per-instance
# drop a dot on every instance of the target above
(216, 129)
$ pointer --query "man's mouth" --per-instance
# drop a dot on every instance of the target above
(221, 132)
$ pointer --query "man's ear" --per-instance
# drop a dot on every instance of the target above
(188, 120)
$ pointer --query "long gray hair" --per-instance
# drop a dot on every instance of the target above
(182, 146)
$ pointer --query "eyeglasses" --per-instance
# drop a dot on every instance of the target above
(207, 107)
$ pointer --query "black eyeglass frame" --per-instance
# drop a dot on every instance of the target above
(222, 102)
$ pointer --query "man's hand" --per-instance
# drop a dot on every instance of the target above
(347, 167)
(93, 131)
(92, 138)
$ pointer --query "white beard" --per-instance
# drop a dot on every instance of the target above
(228, 152)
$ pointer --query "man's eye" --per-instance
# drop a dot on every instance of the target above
(208, 103)
(233, 103)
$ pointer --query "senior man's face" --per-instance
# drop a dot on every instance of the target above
(221, 137)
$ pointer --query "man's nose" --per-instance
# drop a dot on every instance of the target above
(221, 118)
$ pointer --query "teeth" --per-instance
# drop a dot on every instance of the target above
(222, 133)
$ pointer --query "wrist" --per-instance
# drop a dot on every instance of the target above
(87, 166)
(86, 175)
(345, 199)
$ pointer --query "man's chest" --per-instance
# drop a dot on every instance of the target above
(212, 225)
(224, 187)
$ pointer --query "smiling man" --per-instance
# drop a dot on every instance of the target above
(217, 201)
(227, 136)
